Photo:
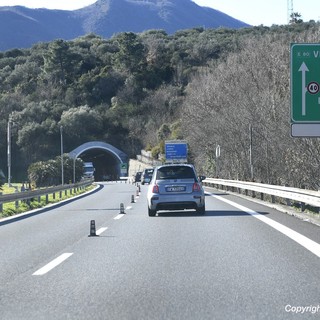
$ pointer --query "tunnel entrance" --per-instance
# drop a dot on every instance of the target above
(109, 162)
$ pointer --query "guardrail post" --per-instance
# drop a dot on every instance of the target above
(47, 198)
(1, 205)
(273, 199)
(288, 201)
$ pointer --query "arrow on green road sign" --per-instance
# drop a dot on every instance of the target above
(303, 69)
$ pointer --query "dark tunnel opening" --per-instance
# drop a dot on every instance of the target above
(105, 163)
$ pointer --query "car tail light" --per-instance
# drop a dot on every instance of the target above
(196, 187)
(155, 189)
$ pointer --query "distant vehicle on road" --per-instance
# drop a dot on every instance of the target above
(137, 177)
(88, 170)
(147, 175)
(175, 187)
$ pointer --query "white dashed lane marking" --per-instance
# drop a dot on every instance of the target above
(54, 263)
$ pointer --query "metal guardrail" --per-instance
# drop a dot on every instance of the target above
(38, 193)
(290, 195)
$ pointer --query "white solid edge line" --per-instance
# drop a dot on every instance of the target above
(309, 244)
(52, 264)
(101, 230)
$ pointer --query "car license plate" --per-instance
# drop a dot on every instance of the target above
(176, 189)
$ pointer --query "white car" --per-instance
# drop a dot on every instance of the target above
(175, 187)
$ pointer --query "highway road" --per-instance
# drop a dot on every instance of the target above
(241, 260)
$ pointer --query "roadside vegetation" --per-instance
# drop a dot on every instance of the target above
(11, 209)
(210, 87)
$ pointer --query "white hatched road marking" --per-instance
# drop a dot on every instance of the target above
(119, 216)
(309, 244)
(54, 263)
(101, 230)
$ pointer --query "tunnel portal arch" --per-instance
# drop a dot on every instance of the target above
(109, 162)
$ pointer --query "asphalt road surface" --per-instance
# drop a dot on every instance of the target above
(240, 260)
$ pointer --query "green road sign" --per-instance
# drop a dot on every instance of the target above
(305, 82)
(123, 167)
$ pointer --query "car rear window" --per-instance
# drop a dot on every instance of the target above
(175, 172)
(148, 172)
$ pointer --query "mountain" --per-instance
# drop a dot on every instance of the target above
(21, 27)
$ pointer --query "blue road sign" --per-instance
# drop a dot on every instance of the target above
(176, 150)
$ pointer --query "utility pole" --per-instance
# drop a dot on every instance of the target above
(217, 160)
(9, 151)
(250, 152)
(61, 143)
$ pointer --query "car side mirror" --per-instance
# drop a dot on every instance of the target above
(201, 178)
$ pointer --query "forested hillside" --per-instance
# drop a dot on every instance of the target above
(136, 90)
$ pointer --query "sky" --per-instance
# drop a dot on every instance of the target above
(253, 12)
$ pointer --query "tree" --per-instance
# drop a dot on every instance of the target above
(80, 124)
(295, 18)
(60, 63)
(131, 54)
(48, 173)
(225, 99)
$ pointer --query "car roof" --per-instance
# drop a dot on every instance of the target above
(176, 165)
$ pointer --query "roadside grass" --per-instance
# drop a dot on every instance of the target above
(13, 208)
(6, 189)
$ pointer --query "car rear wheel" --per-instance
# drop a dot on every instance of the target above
(201, 210)
(151, 212)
